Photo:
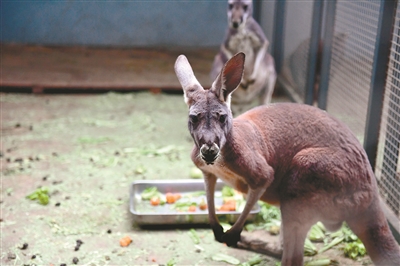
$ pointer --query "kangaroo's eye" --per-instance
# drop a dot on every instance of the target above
(193, 119)
(222, 118)
(245, 8)
(230, 6)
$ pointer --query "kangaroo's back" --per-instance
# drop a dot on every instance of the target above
(291, 127)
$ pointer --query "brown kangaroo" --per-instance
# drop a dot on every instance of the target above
(292, 155)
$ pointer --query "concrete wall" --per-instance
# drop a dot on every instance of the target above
(114, 23)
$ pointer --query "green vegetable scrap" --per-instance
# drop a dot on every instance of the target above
(349, 236)
(41, 195)
(228, 191)
(90, 140)
(317, 232)
(183, 205)
(149, 192)
(194, 236)
(195, 194)
(268, 218)
(257, 259)
(225, 258)
(225, 226)
(343, 235)
(333, 243)
(309, 248)
(268, 213)
(322, 262)
(355, 249)
(152, 192)
(195, 173)
(171, 262)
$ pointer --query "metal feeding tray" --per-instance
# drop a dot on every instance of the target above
(146, 214)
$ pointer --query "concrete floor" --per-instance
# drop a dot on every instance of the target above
(75, 145)
(80, 148)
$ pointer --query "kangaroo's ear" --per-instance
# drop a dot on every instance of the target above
(189, 83)
(229, 78)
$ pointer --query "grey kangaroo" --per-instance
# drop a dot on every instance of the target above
(292, 155)
(244, 34)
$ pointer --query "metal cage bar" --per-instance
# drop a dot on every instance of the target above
(278, 36)
(326, 53)
(378, 78)
(313, 51)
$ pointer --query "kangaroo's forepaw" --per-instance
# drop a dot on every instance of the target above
(218, 233)
(231, 238)
(251, 81)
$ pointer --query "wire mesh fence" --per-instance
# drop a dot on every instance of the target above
(353, 49)
(297, 35)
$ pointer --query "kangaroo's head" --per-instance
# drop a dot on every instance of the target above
(238, 12)
(210, 116)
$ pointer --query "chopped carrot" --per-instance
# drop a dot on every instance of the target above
(172, 197)
(155, 201)
(177, 196)
(125, 241)
(192, 208)
(203, 205)
(228, 206)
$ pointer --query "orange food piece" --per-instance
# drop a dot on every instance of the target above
(177, 196)
(192, 208)
(172, 197)
(228, 206)
(155, 201)
(125, 241)
(203, 205)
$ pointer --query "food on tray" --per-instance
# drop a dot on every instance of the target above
(227, 200)
(172, 197)
(155, 201)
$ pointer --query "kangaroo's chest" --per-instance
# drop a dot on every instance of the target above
(246, 42)
(227, 175)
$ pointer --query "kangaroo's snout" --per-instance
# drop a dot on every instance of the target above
(235, 24)
(209, 153)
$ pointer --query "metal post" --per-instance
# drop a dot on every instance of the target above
(326, 53)
(278, 34)
(313, 50)
(378, 78)
(257, 5)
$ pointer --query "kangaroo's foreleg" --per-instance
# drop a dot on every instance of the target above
(259, 60)
(210, 180)
(266, 95)
(232, 236)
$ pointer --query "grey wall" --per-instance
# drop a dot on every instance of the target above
(114, 23)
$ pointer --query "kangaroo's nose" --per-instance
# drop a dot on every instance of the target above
(235, 24)
(209, 153)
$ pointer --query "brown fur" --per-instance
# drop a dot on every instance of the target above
(292, 155)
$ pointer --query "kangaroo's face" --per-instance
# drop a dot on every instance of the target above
(210, 120)
(238, 12)
(210, 117)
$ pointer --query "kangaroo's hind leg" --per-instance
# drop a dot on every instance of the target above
(297, 220)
